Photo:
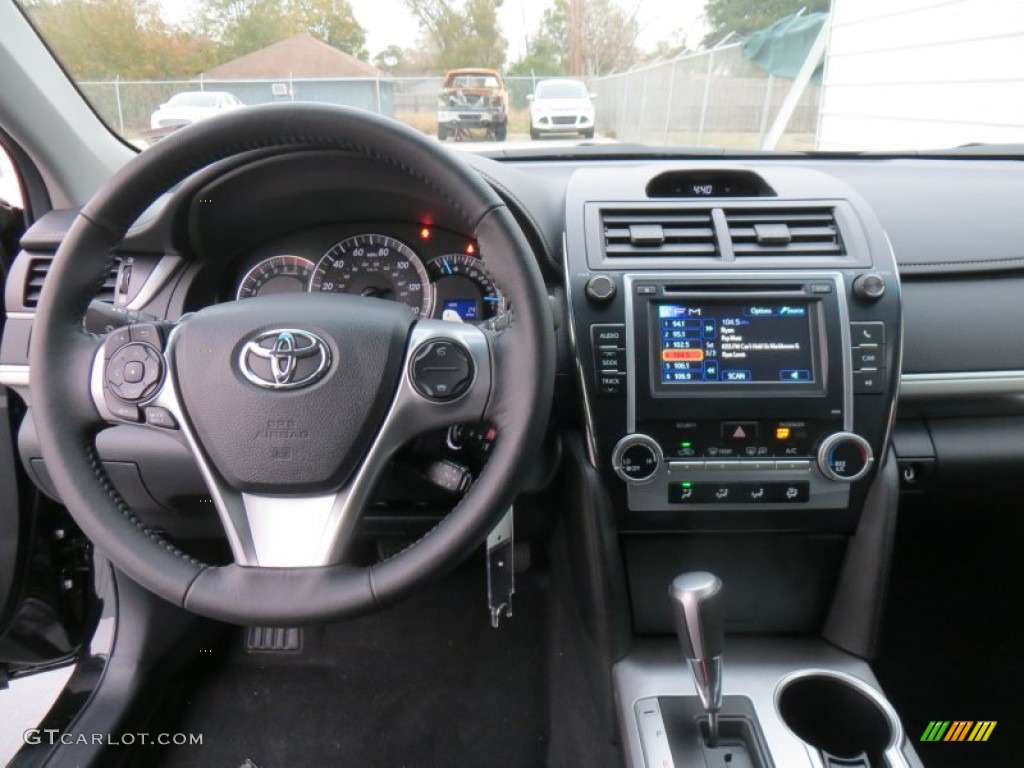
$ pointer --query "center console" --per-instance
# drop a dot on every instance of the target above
(739, 357)
(738, 336)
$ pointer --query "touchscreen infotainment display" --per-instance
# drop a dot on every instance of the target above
(759, 342)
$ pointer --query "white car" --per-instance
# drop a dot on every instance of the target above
(192, 106)
(561, 106)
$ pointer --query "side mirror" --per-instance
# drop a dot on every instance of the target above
(529, 97)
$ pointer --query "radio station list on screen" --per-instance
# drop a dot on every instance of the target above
(735, 343)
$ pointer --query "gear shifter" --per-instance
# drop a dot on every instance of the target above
(697, 609)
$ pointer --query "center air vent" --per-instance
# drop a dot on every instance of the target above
(784, 232)
(658, 233)
(38, 268)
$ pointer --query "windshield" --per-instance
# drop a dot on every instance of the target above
(553, 90)
(812, 75)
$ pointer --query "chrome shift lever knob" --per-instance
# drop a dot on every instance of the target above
(699, 617)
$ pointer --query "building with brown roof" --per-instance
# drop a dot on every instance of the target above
(299, 56)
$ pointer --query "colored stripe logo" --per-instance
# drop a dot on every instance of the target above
(958, 730)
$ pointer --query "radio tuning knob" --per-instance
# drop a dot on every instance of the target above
(636, 459)
(869, 286)
(845, 457)
(600, 289)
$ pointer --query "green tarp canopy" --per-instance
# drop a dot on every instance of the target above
(782, 48)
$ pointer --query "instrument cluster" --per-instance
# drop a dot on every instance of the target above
(435, 272)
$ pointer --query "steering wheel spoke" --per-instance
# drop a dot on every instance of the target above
(446, 379)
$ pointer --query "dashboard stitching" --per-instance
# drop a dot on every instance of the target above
(1013, 260)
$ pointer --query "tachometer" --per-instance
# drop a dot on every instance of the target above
(463, 287)
(375, 265)
(278, 274)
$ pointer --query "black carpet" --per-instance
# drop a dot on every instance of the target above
(953, 645)
(427, 683)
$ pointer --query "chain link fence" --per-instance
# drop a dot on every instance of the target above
(714, 98)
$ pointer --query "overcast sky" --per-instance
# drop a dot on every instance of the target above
(388, 22)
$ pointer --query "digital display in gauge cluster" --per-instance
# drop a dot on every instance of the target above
(436, 273)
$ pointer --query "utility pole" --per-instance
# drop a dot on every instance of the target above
(576, 11)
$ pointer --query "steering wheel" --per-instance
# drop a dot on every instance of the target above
(291, 409)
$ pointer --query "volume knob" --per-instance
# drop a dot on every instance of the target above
(600, 289)
(636, 459)
(845, 457)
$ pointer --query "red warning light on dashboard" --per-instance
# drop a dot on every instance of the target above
(424, 234)
(470, 249)
(682, 355)
(782, 433)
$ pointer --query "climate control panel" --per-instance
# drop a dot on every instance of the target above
(820, 480)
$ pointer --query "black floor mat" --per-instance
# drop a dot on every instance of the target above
(427, 683)
(953, 647)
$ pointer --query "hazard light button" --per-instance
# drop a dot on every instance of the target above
(739, 431)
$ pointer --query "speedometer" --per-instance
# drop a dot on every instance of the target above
(378, 266)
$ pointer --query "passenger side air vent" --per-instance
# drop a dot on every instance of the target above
(784, 232)
(658, 233)
(38, 268)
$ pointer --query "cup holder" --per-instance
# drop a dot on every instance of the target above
(841, 715)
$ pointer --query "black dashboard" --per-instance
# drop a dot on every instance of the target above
(845, 286)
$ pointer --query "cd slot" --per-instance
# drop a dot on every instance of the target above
(670, 289)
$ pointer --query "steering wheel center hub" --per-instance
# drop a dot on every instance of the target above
(285, 396)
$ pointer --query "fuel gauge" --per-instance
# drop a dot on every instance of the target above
(463, 287)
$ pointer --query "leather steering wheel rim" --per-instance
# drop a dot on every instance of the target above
(62, 356)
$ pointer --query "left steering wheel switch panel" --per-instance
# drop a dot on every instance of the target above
(133, 370)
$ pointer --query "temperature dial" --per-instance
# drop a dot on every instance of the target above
(845, 457)
(636, 459)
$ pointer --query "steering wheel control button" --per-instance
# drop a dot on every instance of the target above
(441, 370)
(160, 417)
(845, 457)
(121, 410)
(147, 333)
(115, 340)
(600, 289)
(134, 372)
(636, 459)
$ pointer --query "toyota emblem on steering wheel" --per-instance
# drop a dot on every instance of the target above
(284, 359)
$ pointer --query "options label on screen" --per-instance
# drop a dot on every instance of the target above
(735, 343)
